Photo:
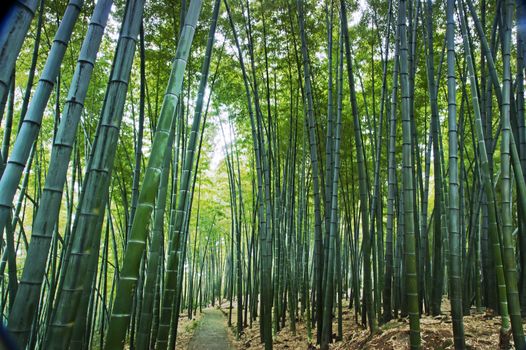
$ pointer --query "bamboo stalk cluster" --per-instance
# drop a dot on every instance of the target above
(375, 165)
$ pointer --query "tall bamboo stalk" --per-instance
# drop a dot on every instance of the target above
(408, 189)
(508, 244)
(455, 275)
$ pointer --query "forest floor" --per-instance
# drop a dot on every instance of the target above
(481, 332)
(211, 332)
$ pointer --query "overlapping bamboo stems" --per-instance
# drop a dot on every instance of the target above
(137, 239)
(362, 176)
(507, 242)
(154, 253)
(30, 125)
(438, 269)
(376, 224)
(488, 185)
(21, 319)
(388, 292)
(14, 29)
(92, 201)
(263, 195)
(139, 133)
(318, 250)
(335, 172)
(11, 87)
(266, 238)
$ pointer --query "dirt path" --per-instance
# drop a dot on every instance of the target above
(211, 334)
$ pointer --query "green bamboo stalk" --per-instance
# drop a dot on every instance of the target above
(14, 29)
(140, 132)
(79, 338)
(8, 126)
(508, 243)
(455, 265)
(408, 189)
(32, 68)
(154, 257)
(521, 47)
(329, 143)
(391, 194)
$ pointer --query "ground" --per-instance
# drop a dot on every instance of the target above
(186, 329)
(211, 332)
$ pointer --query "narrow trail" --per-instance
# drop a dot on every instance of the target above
(211, 334)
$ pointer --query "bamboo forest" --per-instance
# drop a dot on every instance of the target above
(258, 174)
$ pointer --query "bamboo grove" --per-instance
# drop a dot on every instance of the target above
(290, 159)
